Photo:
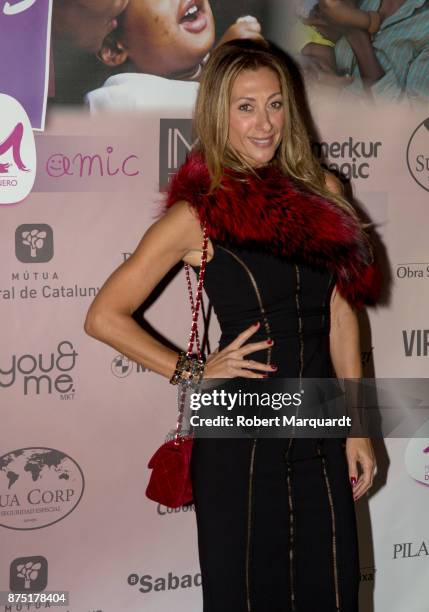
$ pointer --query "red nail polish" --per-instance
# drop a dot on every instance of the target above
(257, 324)
(353, 481)
(264, 375)
(273, 365)
(269, 341)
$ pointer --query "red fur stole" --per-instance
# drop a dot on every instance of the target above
(279, 216)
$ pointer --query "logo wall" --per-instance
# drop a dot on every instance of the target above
(17, 152)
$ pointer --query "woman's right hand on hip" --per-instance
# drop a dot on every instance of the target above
(230, 361)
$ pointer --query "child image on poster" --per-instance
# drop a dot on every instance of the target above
(155, 53)
(371, 47)
(317, 40)
(86, 22)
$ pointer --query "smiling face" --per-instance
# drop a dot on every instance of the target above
(256, 115)
(164, 37)
(55, 166)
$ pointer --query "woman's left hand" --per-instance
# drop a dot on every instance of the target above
(360, 450)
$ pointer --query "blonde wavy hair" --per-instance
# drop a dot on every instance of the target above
(294, 155)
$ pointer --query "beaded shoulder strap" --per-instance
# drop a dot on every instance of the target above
(195, 307)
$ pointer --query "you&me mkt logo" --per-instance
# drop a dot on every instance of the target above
(40, 373)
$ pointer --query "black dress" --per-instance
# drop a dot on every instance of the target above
(276, 517)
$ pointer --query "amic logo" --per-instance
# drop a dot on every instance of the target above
(34, 242)
(17, 152)
(418, 154)
(28, 574)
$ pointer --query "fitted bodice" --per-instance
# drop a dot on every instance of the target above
(289, 298)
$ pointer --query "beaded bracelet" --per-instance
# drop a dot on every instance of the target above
(180, 364)
(188, 372)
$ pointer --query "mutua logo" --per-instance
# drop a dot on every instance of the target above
(28, 574)
(17, 152)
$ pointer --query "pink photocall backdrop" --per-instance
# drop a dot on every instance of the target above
(79, 421)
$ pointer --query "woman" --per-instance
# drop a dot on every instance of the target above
(276, 519)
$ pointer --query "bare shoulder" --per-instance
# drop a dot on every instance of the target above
(184, 219)
(182, 212)
(333, 184)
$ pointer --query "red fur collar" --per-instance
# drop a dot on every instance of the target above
(279, 216)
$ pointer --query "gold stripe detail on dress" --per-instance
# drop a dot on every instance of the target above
(291, 535)
(252, 453)
(291, 440)
(258, 296)
(334, 537)
(291, 527)
(298, 309)
(249, 524)
(325, 298)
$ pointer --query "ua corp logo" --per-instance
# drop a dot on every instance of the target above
(13, 141)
